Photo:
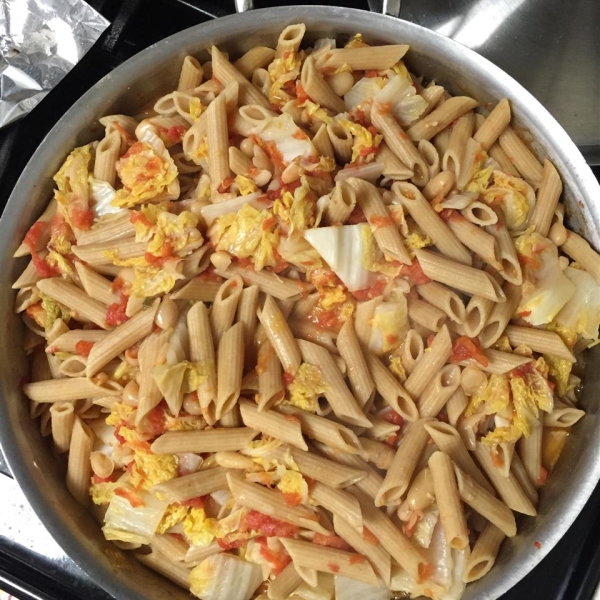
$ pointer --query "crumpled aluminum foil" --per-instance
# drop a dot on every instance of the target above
(40, 42)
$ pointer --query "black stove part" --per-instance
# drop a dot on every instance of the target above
(570, 572)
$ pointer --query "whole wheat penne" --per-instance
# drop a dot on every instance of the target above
(29, 277)
(507, 487)
(401, 470)
(284, 584)
(484, 553)
(429, 152)
(79, 302)
(196, 484)
(96, 286)
(507, 255)
(502, 159)
(230, 368)
(341, 142)
(121, 338)
(197, 290)
(500, 315)
(495, 123)
(517, 469)
(208, 440)
(338, 502)
(391, 390)
(175, 571)
(459, 276)
(448, 440)
(338, 395)
(191, 74)
(280, 336)
(390, 537)
(381, 429)
(384, 230)
(477, 313)
(328, 560)
(226, 73)
(341, 205)
(100, 254)
(78, 466)
(326, 431)
(393, 168)
(107, 154)
(370, 484)
(322, 142)
(66, 390)
(480, 214)
(289, 39)
(361, 381)
(530, 452)
(274, 424)
(499, 362)
(539, 340)
(481, 501)
(425, 314)
(429, 221)
(62, 417)
(372, 57)
(365, 311)
(175, 548)
(546, 199)
(476, 239)
(447, 497)
(271, 503)
(269, 371)
(461, 131)
(439, 186)
(429, 364)
(581, 252)
(411, 350)
(223, 309)
(521, 157)
(318, 89)
(321, 469)
(441, 387)
(434, 94)
(218, 142)
(68, 340)
(399, 143)
(378, 557)
(118, 226)
(256, 58)
(456, 405)
(378, 453)
(440, 118)
(443, 298)
(269, 283)
(563, 416)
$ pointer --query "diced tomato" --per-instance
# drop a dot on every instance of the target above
(136, 148)
(117, 284)
(331, 541)
(31, 240)
(166, 252)
(326, 319)
(118, 435)
(198, 502)
(279, 560)
(335, 568)
(115, 314)
(543, 478)
(269, 222)
(392, 440)
(447, 214)
(130, 496)
(209, 275)
(299, 135)
(415, 273)
(379, 222)
(287, 379)
(32, 236)
(292, 498)
(538, 545)
(293, 418)
(385, 108)
(138, 215)
(109, 479)
(372, 73)
(528, 261)
(356, 216)
(465, 347)
(176, 133)
(391, 339)
(358, 116)
(497, 460)
(523, 370)
(429, 340)
(424, 572)
(82, 218)
(391, 416)
(83, 348)
(226, 184)
(154, 421)
(376, 290)
(524, 314)
(267, 526)
(230, 545)
(301, 94)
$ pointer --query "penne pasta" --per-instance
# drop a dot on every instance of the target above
(521, 157)
(441, 117)
(539, 340)
(438, 391)
(500, 315)
(79, 469)
(191, 74)
(494, 124)
(547, 199)
(62, 416)
(194, 485)
(443, 298)
(372, 57)
(484, 553)
(208, 440)
(66, 390)
(339, 503)
(230, 368)
(425, 314)
(223, 309)
(581, 252)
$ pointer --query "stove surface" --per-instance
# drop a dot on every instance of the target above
(555, 59)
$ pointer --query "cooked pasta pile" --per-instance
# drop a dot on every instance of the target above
(304, 329)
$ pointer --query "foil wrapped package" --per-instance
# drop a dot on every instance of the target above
(40, 42)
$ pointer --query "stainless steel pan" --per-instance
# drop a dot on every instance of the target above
(155, 71)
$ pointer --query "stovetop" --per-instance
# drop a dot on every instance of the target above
(32, 565)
